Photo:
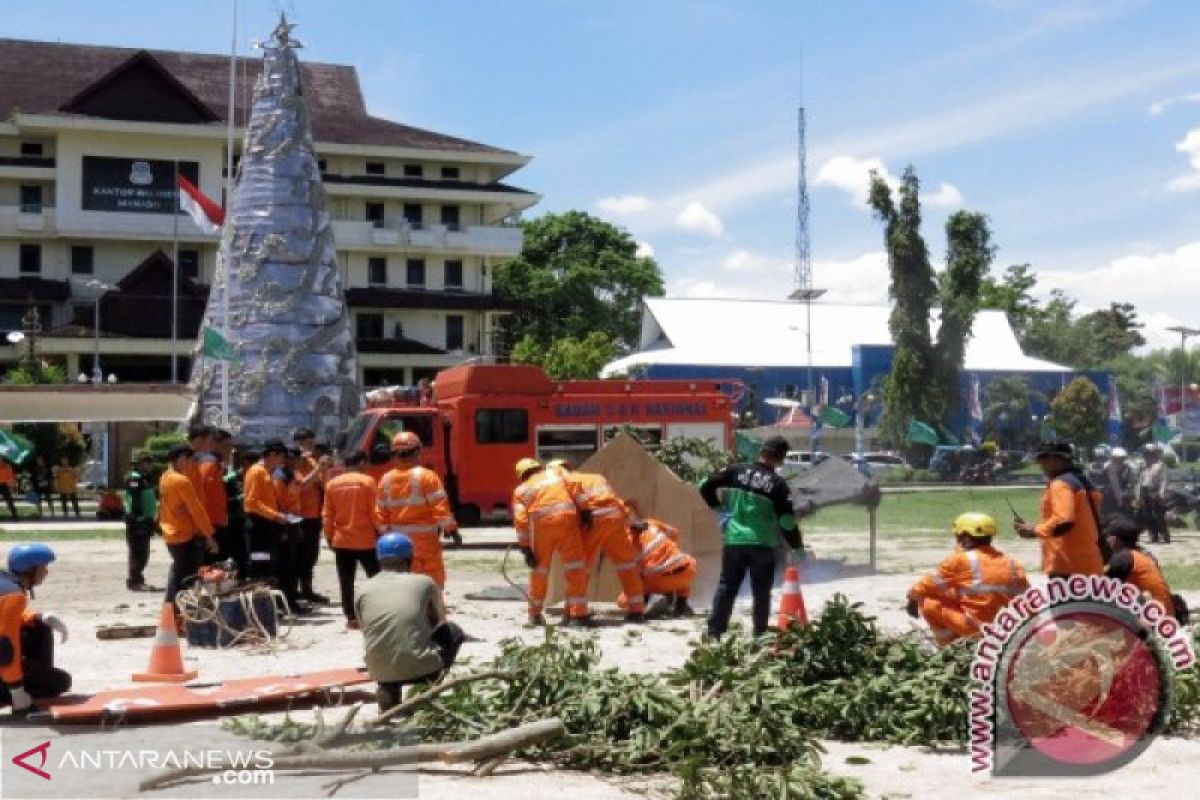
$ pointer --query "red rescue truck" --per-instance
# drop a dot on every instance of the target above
(482, 419)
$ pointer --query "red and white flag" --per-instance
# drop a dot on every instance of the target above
(207, 215)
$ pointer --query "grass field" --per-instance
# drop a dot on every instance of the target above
(31, 533)
(930, 512)
(1182, 577)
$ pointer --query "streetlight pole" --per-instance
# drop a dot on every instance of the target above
(1184, 332)
(99, 287)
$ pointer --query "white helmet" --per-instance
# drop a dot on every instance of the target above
(1151, 448)
(1119, 452)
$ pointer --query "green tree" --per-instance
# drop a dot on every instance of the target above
(1078, 414)
(576, 275)
(567, 358)
(1012, 294)
(923, 382)
(1008, 412)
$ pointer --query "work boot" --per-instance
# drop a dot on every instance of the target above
(579, 622)
(387, 695)
(659, 608)
(681, 608)
(313, 597)
(635, 617)
(353, 625)
(536, 621)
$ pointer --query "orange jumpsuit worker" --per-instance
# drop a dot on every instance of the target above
(547, 521)
(350, 522)
(27, 670)
(8, 485)
(1069, 524)
(311, 475)
(970, 586)
(212, 494)
(665, 569)
(1131, 564)
(605, 532)
(412, 500)
(267, 521)
(184, 523)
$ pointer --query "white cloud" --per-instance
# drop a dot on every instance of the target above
(853, 176)
(644, 250)
(862, 280)
(946, 196)
(1189, 145)
(623, 205)
(1158, 107)
(696, 218)
(746, 274)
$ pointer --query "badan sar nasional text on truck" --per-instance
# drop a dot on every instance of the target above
(482, 419)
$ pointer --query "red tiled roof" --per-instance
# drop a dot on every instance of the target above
(42, 77)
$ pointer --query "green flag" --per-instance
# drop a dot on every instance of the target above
(746, 446)
(834, 417)
(12, 449)
(214, 345)
(920, 433)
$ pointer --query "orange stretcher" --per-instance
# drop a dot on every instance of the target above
(234, 696)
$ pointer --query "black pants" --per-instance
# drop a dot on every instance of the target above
(288, 575)
(49, 498)
(74, 498)
(736, 561)
(1153, 516)
(42, 678)
(6, 493)
(262, 549)
(347, 562)
(308, 547)
(138, 534)
(231, 545)
(448, 638)
(186, 559)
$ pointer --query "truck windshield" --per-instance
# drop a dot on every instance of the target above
(389, 426)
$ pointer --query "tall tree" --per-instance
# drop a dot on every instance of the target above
(1012, 294)
(923, 382)
(576, 275)
(1077, 413)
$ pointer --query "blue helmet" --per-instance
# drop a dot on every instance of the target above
(394, 545)
(25, 557)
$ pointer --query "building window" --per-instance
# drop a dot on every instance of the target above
(450, 173)
(82, 259)
(450, 217)
(369, 326)
(375, 214)
(321, 165)
(414, 171)
(501, 426)
(414, 215)
(31, 259)
(377, 271)
(375, 168)
(454, 332)
(414, 272)
(189, 265)
(31, 199)
(453, 275)
(31, 149)
(398, 330)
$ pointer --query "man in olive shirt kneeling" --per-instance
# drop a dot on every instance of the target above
(405, 630)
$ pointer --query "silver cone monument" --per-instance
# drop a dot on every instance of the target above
(276, 351)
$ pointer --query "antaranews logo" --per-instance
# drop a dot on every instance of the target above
(22, 759)
(1073, 679)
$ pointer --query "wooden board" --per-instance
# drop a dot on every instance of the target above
(236, 696)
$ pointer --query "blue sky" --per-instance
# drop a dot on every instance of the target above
(1074, 124)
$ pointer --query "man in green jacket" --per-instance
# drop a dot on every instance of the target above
(141, 508)
(759, 508)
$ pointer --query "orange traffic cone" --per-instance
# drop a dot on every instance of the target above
(791, 602)
(166, 660)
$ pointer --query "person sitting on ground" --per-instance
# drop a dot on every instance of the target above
(1131, 564)
(27, 670)
(109, 504)
(405, 631)
(665, 569)
(970, 586)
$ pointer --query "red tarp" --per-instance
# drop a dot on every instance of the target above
(168, 699)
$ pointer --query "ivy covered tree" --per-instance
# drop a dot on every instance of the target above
(923, 382)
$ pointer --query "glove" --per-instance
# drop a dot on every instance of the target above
(21, 701)
(530, 558)
(55, 623)
(585, 516)
(911, 608)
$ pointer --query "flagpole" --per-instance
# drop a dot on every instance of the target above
(224, 288)
(175, 277)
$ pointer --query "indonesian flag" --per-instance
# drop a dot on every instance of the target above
(207, 215)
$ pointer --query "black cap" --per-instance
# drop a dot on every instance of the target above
(179, 451)
(303, 433)
(1060, 449)
(776, 446)
(274, 446)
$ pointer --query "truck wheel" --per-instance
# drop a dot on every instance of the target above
(468, 515)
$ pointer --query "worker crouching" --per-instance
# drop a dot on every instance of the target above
(970, 586)
(27, 670)
(665, 569)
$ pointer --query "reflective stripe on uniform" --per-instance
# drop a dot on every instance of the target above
(671, 563)
(553, 508)
(407, 529)
(979, 587)
(577, 601)
(651, 546)
(607, 511)
(624, 566)
(571, 565)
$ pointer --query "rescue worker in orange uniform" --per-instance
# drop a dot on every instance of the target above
(267, 522)
(547, 522)
(412, 500)
(27, 670)
(351, 525)
(310, 475)
(1069, 524)
(970, 586)
(1131, 564)
(186, 528)
(211, 473)
(200, 439)
(605, 530)
(665, 569)
(8, 485)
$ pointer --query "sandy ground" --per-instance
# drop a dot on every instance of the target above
(86, 589)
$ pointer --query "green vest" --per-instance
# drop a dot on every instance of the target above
(141, 502)
(752, 519)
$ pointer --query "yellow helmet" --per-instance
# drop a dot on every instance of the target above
(974, 523)
(527, 465)
(558, 463)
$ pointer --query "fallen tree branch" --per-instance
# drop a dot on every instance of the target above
(432, 692)
(484, 749)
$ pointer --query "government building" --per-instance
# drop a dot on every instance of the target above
(421, 219)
